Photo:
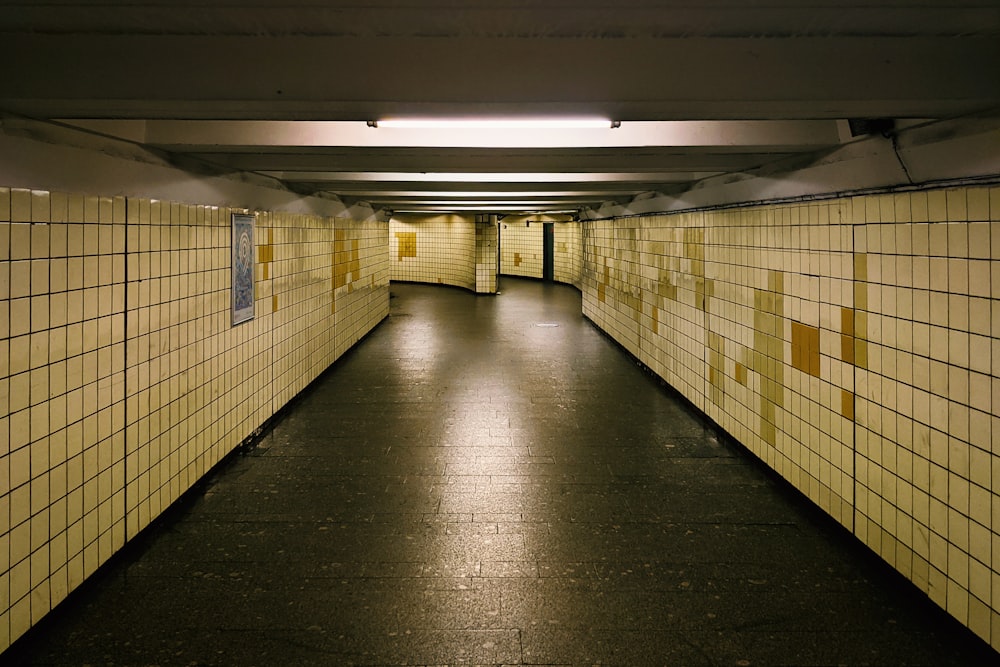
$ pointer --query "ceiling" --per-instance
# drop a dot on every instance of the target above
(701, 87)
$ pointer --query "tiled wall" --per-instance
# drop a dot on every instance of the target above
(852, 344)
(567, 253)
(121, 379)
(434, 250)
(487, 239)
(521, 248)
(361, 288)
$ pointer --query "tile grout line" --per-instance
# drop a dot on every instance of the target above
(854, 385)
(125, 383)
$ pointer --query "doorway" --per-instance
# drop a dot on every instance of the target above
(548, 252)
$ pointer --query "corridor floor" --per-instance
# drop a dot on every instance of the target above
(490, 480)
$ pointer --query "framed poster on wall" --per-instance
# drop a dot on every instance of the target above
(242, 268)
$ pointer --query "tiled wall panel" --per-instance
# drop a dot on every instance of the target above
(567, 253)
(852, 344)
(487, 239)
(521, 248)
(194, 384)
(62, 396)
(929, 393)
(439, 250)
(122, 380)
(361, 298)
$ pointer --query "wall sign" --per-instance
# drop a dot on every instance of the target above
(243, 293)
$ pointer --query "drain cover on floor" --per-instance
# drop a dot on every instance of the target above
(546, 324)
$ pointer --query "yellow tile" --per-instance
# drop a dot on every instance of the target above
(860, 266)
(91, 209)
(979, 278)
(20, 436)
(860, 296)
(75, 208)
(39, 240)
(40, 208)
(920, 239)
(937, 206)
(979, 240)
(91, 239)
(74, 239)
(105, 210)
(958, 348)
(4, 204)
(20, 241)
(860, 353)
(4, 241)
(20, 279)
(20, 205)
(980, 316)
(39, 276)
(957, 205)
(978, 200)
(919, 207)
(958, 239)
(58, 239)
(105, 239)
(20, 319)
(901, 207)
(958, 276)
(4, 333)
(118, 210)
(938, 239)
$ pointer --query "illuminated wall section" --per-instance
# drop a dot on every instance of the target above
(195, 385)
(521, 247)
(487, 240)
(360, 294)
(852, 344)
(62, 396)
(438, 250)
(121, 379)
(567, 253)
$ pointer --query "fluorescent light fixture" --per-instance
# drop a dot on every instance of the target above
(455, 195)
(335, 177)
(487, 203)
(488, 177)
(495, 123)
(531, 208)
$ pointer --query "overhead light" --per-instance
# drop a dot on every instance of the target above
(495, 123)
(487, 177)
(448, 208)
(486, 203)
(569, 178)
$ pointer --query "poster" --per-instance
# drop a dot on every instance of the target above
(243, 266)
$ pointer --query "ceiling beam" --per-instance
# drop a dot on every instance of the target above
(354, 78)
(497, 161)
(734, 136)
(489, 18)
